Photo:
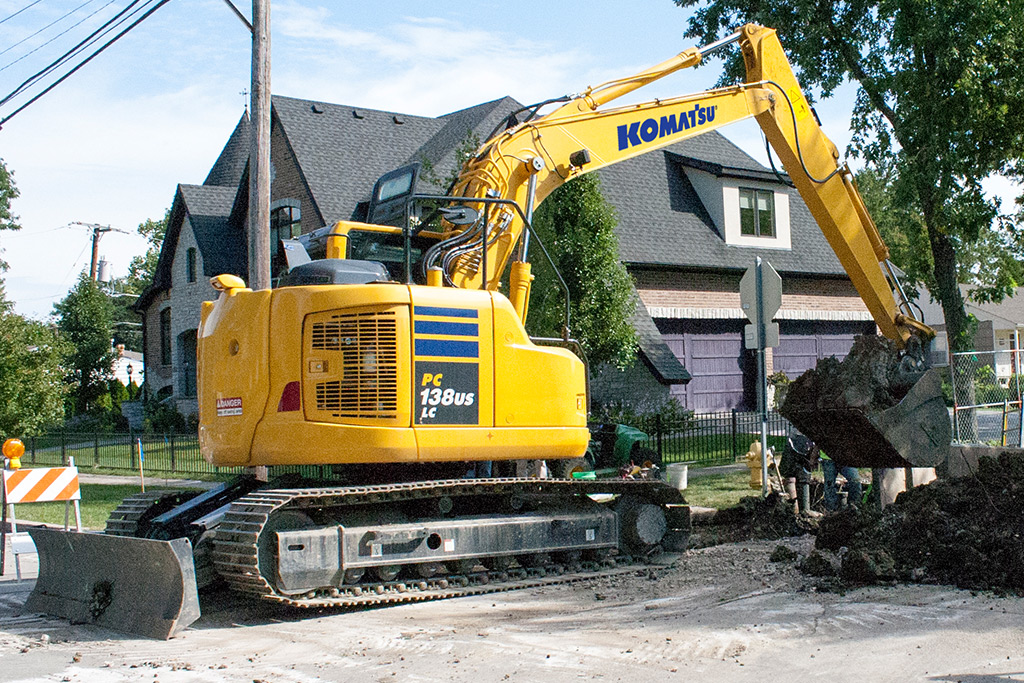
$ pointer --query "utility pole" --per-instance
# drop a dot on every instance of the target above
(97, 232)
(259, 149)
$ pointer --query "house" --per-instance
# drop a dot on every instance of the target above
(998, 337)
(692, 219)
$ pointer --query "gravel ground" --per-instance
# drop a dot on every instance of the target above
(723, 613)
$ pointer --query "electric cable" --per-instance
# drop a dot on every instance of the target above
(62, 33)
(60, 80)
(31, 4)
(111, 23)
(55, 21)
(796, 138)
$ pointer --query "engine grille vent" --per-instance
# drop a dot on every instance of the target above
(365, 347)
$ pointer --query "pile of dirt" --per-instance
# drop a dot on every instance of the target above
(839, 404)
(757, 518)
(966, 532)
(867, 378)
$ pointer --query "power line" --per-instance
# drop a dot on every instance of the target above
(31, 4)
(65, 31)
(88, 59)
(91, 38)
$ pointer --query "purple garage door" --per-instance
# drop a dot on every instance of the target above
(801, 344)
(712, 352)
(725, 374)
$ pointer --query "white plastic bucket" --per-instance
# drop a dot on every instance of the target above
(676, 473)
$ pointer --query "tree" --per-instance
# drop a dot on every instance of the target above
(940, 107)
(578, 226)
(143, 268)
(127, 324)
(8, 193)
(83, 320)
(31, 377)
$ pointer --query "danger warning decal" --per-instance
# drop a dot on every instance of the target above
(229, 406)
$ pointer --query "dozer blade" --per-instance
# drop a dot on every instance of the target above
(132, 585)
(914, 433)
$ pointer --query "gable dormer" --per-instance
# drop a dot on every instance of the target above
(749, 207)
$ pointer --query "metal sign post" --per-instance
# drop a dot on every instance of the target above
(760, 298)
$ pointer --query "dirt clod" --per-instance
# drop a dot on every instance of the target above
(816, 564)
(782, 554)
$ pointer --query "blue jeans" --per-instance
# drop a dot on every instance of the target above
(853, 489)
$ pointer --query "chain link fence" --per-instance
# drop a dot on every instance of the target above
(985, 391)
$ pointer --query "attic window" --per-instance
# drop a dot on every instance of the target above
(757, 212)
(398, 119)
(358, 114)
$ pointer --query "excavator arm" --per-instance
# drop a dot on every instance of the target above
(530, 160)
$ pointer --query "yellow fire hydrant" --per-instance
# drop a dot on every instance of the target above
(753, 460)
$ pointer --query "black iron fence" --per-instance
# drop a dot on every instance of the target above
(707, 439)
(712, 438)
(156, 453)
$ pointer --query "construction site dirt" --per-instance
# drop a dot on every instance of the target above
(724, 613)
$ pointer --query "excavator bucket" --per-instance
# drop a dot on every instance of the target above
(915, 432)
(133, 585)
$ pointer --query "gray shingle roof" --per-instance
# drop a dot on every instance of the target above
(342, 149)
(653, 349)
(218, 239)
(227, 170)
(662, 221)
(221, 243)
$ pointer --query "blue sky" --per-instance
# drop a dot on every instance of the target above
(109, 145)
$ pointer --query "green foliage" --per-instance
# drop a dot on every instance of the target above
(161, 417)
(430, 173)
(83, 319)
(8, 193)
(577, 226)
(940, 107)
(31, 378)
(142, 268)
(667, 414)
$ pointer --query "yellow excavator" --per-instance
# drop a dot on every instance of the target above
(388, 353)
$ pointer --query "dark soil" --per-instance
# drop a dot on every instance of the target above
(838, 403)
(966, 532)
(755, 518)
(866, 378)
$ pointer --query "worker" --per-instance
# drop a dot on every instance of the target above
(799, 458)
(829, 470)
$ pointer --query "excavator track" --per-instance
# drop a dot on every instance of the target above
(236, 550)
(129, 518)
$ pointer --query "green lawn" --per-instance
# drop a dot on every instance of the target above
(98, 501)
(718, 490)
(713, 448)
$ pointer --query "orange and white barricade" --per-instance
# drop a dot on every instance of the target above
(38, 485)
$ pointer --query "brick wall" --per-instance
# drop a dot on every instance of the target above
(288, 183)
(720, 291)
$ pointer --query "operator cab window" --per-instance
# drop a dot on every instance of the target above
(757, 212)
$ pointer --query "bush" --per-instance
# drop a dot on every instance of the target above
(668, 415)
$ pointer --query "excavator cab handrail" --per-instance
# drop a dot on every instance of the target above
(528, 229)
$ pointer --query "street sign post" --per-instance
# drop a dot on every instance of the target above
(760, 299)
